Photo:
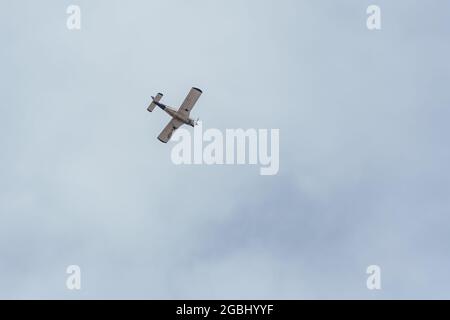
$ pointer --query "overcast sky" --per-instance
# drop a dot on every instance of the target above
(364, 153)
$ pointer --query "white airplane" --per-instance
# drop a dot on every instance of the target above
(180, 116)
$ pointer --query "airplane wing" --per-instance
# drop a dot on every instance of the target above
(190, 101)
(167, 132)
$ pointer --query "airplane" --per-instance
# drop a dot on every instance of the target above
(180, 116)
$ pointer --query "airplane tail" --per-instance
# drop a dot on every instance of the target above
(153, 104)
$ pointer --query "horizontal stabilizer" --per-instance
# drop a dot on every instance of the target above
(153, 104)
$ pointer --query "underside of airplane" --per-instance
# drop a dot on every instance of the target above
(180, 116)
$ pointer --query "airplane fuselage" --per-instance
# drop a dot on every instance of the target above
(175, 114)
